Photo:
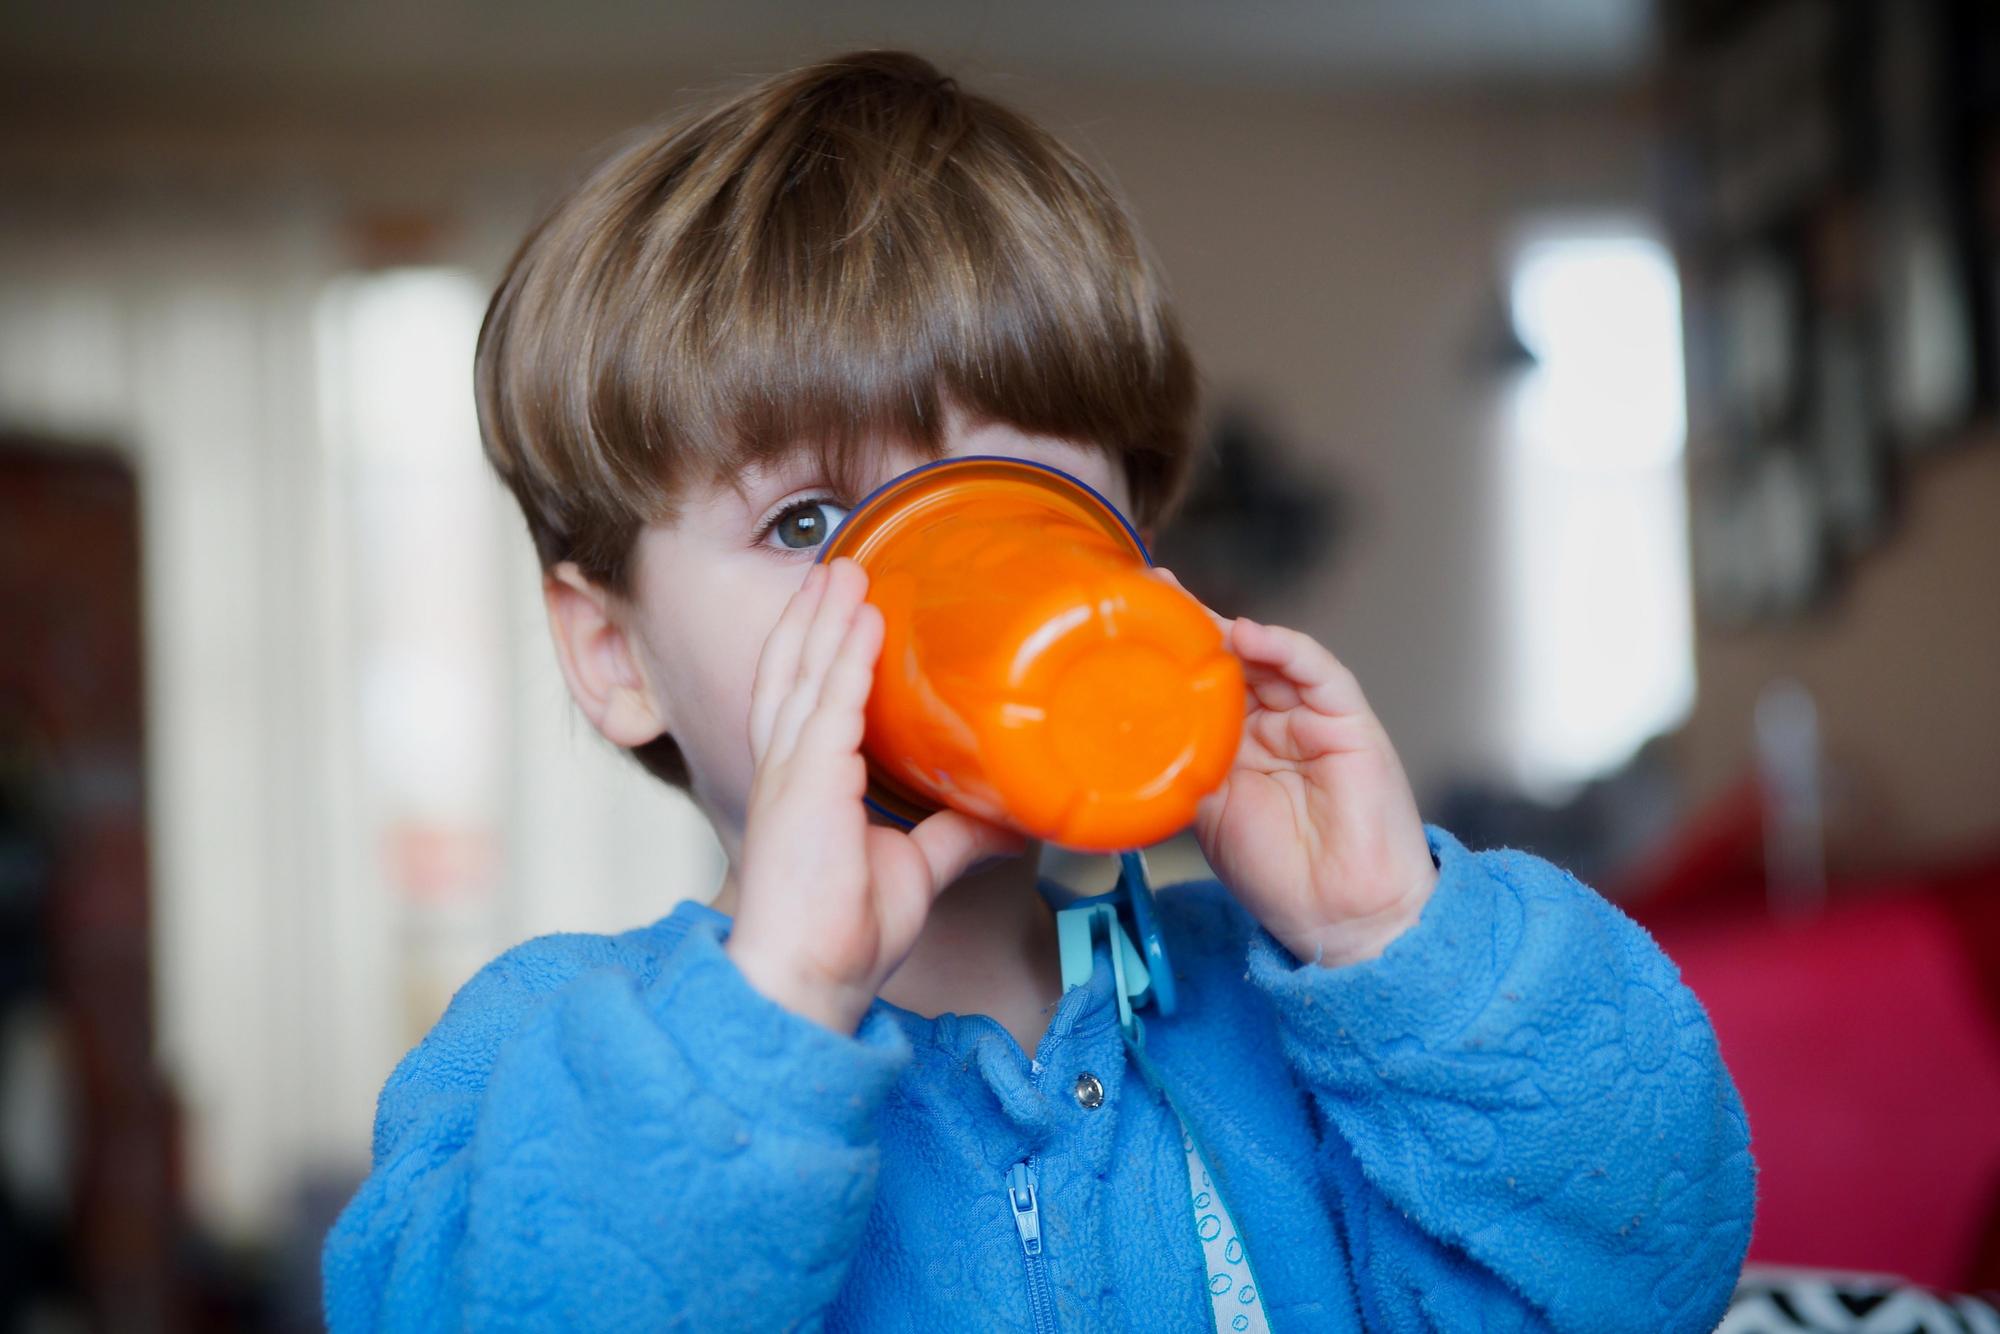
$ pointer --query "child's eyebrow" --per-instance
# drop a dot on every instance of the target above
(758, 484)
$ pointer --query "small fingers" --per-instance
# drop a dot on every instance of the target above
(859, 632)
(778, 662)
(952, 841)
(1277, 658)
(851, 674)
(845, 583)
(1301, 735)
(837, 722)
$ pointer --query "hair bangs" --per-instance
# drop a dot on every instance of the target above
(833, 261)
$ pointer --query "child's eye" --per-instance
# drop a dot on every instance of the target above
(804, 524)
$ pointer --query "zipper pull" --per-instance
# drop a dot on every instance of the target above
(1027, 1214)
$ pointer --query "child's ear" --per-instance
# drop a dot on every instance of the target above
(599, 659)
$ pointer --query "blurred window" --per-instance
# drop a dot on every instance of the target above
(487, 809)
(1600, 622)
(419, 648)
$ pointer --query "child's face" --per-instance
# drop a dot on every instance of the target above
(710, 586)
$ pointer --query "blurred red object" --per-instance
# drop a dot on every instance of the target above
(1865, 1040)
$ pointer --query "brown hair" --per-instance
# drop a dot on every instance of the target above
(822, 260)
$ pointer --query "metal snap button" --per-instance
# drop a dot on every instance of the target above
(1089, 1093)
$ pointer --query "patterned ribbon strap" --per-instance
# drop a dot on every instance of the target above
(1232, 1281)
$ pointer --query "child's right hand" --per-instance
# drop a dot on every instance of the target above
(829, 905)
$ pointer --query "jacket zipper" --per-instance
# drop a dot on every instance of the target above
(1026, 1209)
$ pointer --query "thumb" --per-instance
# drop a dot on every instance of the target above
(952, 841)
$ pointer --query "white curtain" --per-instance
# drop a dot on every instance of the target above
(318, 891)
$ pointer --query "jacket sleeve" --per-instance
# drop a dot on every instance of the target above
(583, 1143)
(1526, 1123)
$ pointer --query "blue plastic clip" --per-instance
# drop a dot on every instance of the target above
(1140, 977)
(1138, 892)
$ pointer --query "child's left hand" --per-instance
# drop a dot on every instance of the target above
(1315, 830)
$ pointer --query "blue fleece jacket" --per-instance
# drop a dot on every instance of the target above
(1514, 1119)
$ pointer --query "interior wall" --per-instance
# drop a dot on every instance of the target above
(1333, 256)
(1904, 664)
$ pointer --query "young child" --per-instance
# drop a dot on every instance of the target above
(1438, 1089)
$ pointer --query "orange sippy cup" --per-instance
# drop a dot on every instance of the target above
(1032, 673)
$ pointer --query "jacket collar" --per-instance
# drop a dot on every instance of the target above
(1082, 1013)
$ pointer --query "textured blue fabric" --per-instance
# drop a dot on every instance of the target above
(1516, 1118)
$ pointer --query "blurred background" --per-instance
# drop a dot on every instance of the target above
(1611, 384)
